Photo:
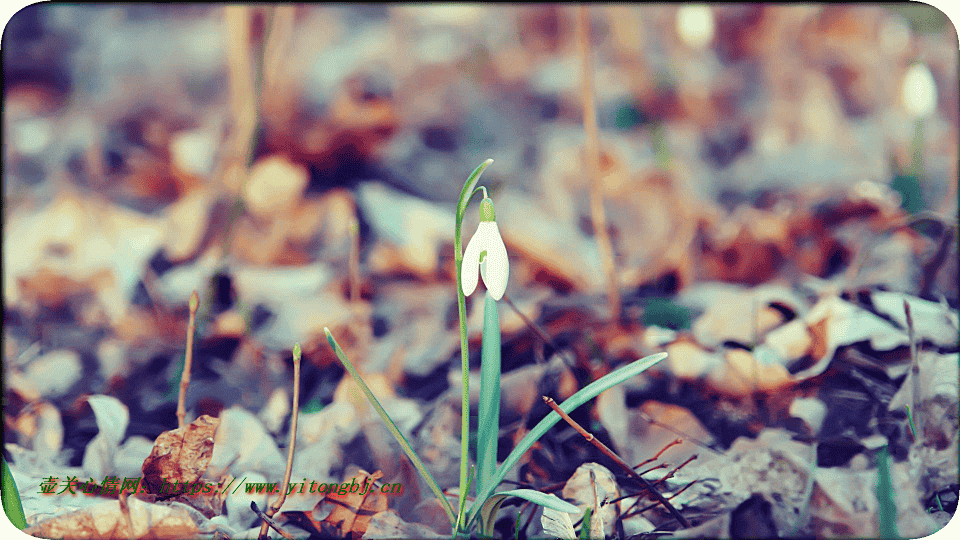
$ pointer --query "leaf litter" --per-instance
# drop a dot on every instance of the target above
(769, 255)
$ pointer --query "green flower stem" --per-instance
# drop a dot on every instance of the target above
(488, 430)
(465, 195)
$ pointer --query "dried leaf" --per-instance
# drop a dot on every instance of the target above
(388, 524)
(557, 524)
(591, 484)
(244, 445)
(112, 418)
(180, 455)
(107, 520)
(349, 513)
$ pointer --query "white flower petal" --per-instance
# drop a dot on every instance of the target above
(497, 263)
(471, 261)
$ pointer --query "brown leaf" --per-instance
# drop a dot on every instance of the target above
(349, 514)
(180, 455)
(107, 520)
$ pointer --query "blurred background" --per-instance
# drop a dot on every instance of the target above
(298, 166)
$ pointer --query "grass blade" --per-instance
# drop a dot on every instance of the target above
(585, 394)
(404, 444)
(887, 512)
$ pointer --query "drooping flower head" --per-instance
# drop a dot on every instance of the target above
(486, 252)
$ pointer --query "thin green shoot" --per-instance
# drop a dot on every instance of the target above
(913, 428)
(585, 525)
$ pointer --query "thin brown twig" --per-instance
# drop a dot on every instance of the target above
(188, 360)
(125, 510)
(676, 431)
(669, 445)
(616, 459)
(269, 522)
(275, 507)
(540, 332)
(652, 506)
(597, 213)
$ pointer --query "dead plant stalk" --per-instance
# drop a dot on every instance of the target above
(597, 214)
(285, 486)
(188, 361)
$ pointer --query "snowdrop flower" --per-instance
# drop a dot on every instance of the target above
(486, 251)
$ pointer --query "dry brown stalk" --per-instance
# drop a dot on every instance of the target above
(619, 462)
(597, 214)
(275, 507)
(188, 360)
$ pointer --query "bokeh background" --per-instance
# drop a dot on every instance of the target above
(298, 166)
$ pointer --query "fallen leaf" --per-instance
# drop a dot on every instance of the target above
(388, 524)
(349, 514)
(243, 445)
(594, 484)
(112, 417)
(180, 455)
(106, 520)
(557, 524)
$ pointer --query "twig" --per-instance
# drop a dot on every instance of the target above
(616, 459)
(676, 431)
(188, 360)
(275, 507)
(538, 331)
(597, 214)
(269, 522)
(652, 506)
(669, 445)
(125, 510)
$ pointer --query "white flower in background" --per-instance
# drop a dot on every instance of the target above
(486, 251)
(919, 90)
(696, 25)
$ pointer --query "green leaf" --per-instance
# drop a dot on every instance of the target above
(585, 526)
(492, 505)
(467, 190)
(11, 500)
(404, 444)
(887, 513)
(585, 394)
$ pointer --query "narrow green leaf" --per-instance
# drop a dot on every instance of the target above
(488, 427)
(11, 500)
(492, 505)
(467, 190)
(585, 394)
(887, 512)
(404, 444)
(585, 526)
